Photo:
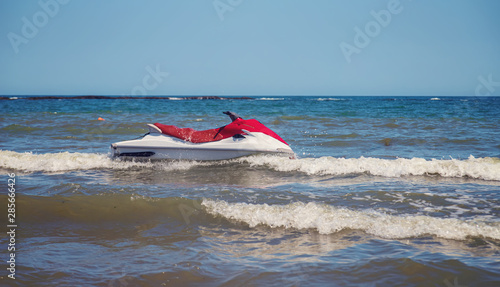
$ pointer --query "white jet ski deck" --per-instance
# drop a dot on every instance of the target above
(238, 139)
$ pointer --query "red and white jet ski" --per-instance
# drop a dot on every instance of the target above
(237, 139)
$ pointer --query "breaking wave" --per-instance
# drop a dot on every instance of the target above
(66, 161)
(328, 219)
(271, 99)
(476, 168)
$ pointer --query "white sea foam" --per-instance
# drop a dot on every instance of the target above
(66, 161)
(478, 168)
(328, 219)
(51, 162)
(271, 99)
(329, 99)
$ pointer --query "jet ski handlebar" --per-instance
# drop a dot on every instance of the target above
(232, 115)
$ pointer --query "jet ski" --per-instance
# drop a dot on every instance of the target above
(238, 139)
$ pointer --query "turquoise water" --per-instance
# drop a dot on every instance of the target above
(385, 191)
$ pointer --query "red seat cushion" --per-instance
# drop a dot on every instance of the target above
(234, 128)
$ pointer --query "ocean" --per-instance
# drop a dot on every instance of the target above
(384, 191)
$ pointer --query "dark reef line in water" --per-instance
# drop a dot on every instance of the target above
(123, 98)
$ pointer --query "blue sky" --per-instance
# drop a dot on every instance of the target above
(250, 47)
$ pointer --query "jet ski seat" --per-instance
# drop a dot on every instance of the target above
(236, 127)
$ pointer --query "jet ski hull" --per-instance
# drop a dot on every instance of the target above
(160, 146)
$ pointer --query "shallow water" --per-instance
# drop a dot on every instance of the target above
(384, 192)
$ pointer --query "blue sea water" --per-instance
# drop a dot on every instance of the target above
(385, 191)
